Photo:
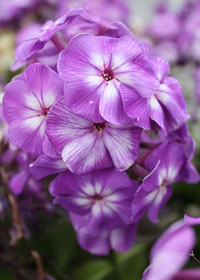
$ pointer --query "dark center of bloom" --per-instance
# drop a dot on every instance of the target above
(99, 126)
(108, 74)
(45, 111)
(97, 197)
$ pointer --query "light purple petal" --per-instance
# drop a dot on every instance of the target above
(18, 182)
(63, 125)
(170, 252)
(156, 113)
(122, 239)
(122, 144)
(136, 106)
(192, 221)
(95, 244)
(171, 97)
(48, 149)
(111, 106)
(28, 135)
(161, 67)
(44, 83)
(44, 166)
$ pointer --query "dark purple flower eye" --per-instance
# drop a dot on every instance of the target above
(99, 126)
(108, 74)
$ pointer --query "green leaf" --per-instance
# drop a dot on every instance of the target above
(6, 274)
(93, 270)
(137, 249)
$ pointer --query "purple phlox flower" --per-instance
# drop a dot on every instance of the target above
(167, 49)
(119, 239)
(105, 197)
(164, 31)
(44, 166)
(28, 32)
(116, 10)
(196, 76)
(171, 251)
(26, 104)
(165, 164)
(165, 25)
(9, 155)
(28, 50)
(14, 9)
(109, 10)
(165, 106)
(86, 146)
(87, 23)
(99, 205)
(151, 140)
(189, 38)
(54, 36)
(183, 138)
(23, 177)
(94, 68)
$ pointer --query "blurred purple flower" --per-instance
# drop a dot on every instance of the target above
(14, 9)
(165, 25)
(171, 251)
(116, 10)
(196, 76)
(19, 180)
(189, 37)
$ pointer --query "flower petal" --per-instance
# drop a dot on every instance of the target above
(44, 166)
(122, 144)
(86, 154)
(136, 106)
(122, 239)
(111, 106)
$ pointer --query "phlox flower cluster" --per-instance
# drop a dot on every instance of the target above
(91, 104)
(97, 110)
